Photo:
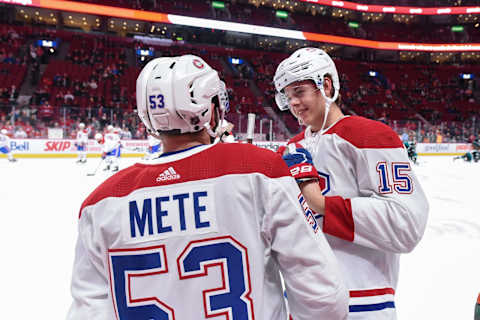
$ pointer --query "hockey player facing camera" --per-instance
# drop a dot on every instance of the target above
(354, 173)
(5, 145)
(203, 230)
(111, 148)
(81, 143)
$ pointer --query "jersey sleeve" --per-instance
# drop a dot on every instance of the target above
(314, 286)
(391, 212)
(89, 286)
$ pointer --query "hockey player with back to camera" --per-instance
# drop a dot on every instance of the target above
(156, 239)
(355, 174)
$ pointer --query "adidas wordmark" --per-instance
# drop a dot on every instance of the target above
(167, 175)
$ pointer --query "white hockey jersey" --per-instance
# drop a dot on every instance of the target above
(375, 208)
(152, 141)
(111, 142)
(203, 233)
(82, 137)
(4, 141)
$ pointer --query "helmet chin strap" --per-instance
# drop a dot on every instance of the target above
(211, 133)
(328, 103)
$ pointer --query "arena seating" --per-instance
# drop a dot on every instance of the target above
(102, 78)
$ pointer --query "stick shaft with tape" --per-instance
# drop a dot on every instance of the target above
(250, 127)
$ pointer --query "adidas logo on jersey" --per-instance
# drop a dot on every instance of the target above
(167, 175)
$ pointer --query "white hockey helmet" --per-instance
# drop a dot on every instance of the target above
(98, 136)
(305, 64)
(4, 131)
(175, 95)
(81, 125)
(110, 128)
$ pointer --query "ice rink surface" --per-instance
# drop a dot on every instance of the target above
(40, 199)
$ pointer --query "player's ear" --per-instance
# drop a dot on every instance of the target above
(328, 86)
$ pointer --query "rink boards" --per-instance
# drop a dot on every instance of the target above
(65, 148)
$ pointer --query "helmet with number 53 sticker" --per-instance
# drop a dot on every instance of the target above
(175, 95)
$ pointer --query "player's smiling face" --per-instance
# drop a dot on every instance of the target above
(305, 101)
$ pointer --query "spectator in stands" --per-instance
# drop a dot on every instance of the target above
(57, 80)
(46, 111)
(68, 98)
(439, 137)
(92, 83)
(66, 81)
(20, 133)
(404, 136)
(9, 59)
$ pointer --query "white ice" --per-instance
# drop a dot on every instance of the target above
(40, 199)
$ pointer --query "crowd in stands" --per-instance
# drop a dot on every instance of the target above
(95, 81)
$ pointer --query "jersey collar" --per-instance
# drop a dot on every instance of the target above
(177, 155)
(310, 134)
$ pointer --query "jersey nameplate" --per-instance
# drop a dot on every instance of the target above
(171, 212)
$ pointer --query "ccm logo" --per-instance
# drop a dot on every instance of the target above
(57, 145)
(303, 169)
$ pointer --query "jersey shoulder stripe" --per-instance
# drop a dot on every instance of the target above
(219, 160)
(364, 133)
(297, 138)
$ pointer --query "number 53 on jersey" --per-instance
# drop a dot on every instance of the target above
(231, 300)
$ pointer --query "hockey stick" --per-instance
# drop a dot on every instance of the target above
(250, 127)
(90, 174)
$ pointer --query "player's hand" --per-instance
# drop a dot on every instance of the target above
(300, 162)
(104, 155)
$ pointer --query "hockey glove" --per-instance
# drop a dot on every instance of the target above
(300, 162)
(104, 155)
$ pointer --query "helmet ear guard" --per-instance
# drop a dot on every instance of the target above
(221, 106)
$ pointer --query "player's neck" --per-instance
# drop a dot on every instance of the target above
(333, 116)
(173, 143)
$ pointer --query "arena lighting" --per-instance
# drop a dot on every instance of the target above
(132, 14)
(218, 4)
(281, 14)
(353, 24)
(457, 28)
(466, 76)
(396, 9)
